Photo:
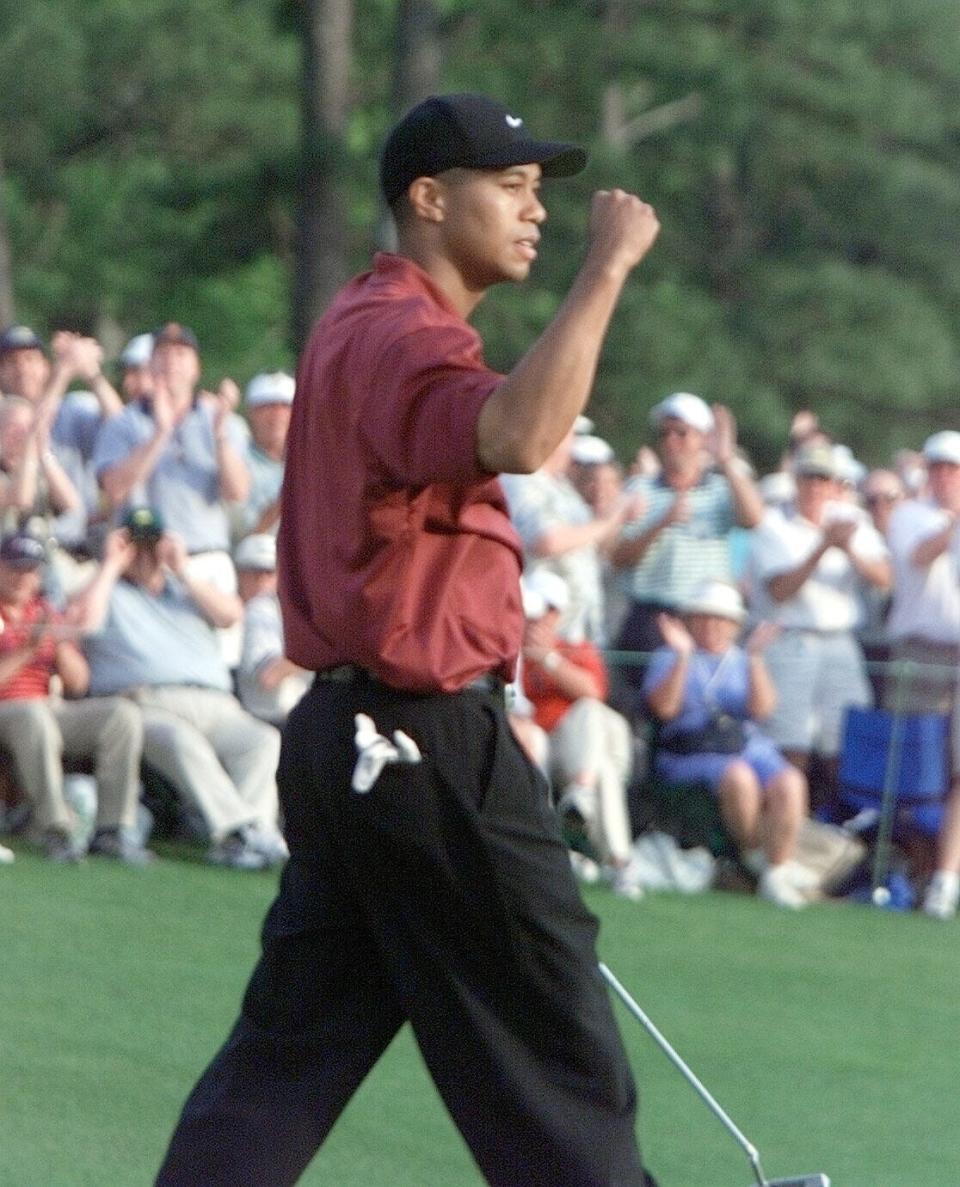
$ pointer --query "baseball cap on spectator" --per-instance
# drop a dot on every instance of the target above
(20, 550)
(143, 523)
(686, 407)
(943, 447)
(816, 461)
(137, 352)
(466, 131)
(257, 551)
(588, 450)
(275, 387)
(20, 338)
(849, 470)
(549, 588)
(174, 334)
(718, 598)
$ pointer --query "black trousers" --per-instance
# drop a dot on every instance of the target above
(442, 897)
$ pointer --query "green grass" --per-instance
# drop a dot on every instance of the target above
(829, 1035)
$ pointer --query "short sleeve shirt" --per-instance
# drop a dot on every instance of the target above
(830, 599)
(185, 483)
(926, 600)
(684, 554)
(396, 552)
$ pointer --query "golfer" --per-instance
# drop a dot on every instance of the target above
(427, 881)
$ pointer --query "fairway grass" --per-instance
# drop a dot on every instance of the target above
(830, 1035)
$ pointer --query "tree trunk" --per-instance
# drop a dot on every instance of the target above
(322, 255)
(7, 308)
(416, 73)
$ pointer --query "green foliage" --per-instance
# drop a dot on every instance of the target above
(809, 189)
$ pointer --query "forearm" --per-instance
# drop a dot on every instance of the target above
(876, 571)
(120, 479)
(72, 669)
(927, 551)
(784, 586)
(234, 475)
(527, 416)
(63, 495)
(88, 607)
(566, 537)
(762, 694)
(219, 608)
(273, 672)
(666, 699)
(107, 396)
(630, 550)
(747, 504)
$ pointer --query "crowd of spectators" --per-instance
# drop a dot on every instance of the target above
(141, 634)
(127, 647)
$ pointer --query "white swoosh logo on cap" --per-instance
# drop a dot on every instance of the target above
(514, 121)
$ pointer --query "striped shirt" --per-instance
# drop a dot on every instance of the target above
(683, 555)
(32, 681)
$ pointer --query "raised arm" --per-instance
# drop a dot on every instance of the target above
(531, 411)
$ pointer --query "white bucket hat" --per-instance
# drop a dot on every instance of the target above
(719, 598)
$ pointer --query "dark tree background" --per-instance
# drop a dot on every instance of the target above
(215, 161)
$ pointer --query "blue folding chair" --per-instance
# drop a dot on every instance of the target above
(897, 766)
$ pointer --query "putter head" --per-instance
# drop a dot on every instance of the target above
(800, 1181)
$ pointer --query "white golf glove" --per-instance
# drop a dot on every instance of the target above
(375, 752)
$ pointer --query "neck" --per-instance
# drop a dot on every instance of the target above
(464, 296)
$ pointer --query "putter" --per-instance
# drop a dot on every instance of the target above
(743, 1142)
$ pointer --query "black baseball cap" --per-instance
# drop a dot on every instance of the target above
(176, 335)
(20, 550)
(143, 523)
(466, 132)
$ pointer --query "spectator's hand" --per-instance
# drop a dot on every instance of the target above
(803, 424)
(838, 533)
(723, 442)
(622, 229)
(118, 549)
(539, 638)
(675, 634)
(79, 355)
(172, 552)
(632, 507)
(760, 638)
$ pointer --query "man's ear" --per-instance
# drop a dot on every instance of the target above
(427, 198)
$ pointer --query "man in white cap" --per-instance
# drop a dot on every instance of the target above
(683, 537)
(924, 630)
(810, 563)
(269, 402)
(268, 684)
(136, 380)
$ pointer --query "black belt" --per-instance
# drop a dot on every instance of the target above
(354, 674)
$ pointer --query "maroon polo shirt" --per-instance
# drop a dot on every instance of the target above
(396, 552)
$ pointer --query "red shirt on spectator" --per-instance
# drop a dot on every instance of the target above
(396, 552)
(32, 681)
(549, 702)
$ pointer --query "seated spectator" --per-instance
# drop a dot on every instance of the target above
(153, 641)
(683, 537)
(708, 694)
(808, 564)
(268, 683)
(269, 401)
(590, 744)
(40, 728)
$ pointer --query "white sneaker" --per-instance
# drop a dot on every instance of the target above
(776, 886)
(626, 882)
(6, 855)
(943, 895)
(585, 868)
(801, 876)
